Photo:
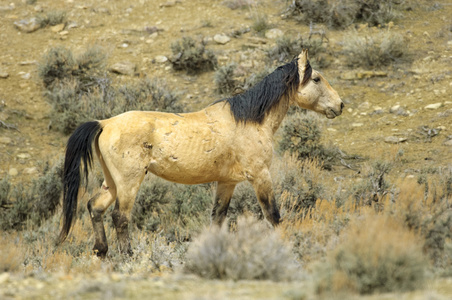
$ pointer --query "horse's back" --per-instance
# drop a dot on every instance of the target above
(187, 148)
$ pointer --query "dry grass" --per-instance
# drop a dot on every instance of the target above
(376, 254)
(11, 254)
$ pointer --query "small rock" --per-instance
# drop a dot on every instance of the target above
(64, 32)
(116, 277)
(349, 75)
(221, 39)
(448, 143)
(13, 172)
(5, 140)
(161, 59)
(24, 156)
(357, 124)
(168, 4)
(28, 62)
(434, 106)
(57, 28)
(395, 140)
(398, 110)
(274, 33)
(394, 108)
(27, 26)
(4, 277)
(31, 171)
(38, 8)
(3, 74)
(364, 105)
(125, 68)
(257, 40)
(26, 76)
(6, 7)
(71, 25)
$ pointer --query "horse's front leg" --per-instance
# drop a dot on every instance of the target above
(221, 202)
(262, 185)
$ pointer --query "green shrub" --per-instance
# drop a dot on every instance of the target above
(149, 205)
(192, 56)
(72, 106)
(19, 203)
(260, 24)
(239, 4)
(377, 254)
(299, 187)
(375, 50)
(59, 66)
(301, 134)
(188, 211)
(286, 48)
(56, 65)
(425, 208)
(377, 12)
(51, 18)
(79, 90)
(175, 209)
(342, 13)
(244, 201)
(308, 11)
(224, 79)
(253, 252)
(373, 187)
(148, 94)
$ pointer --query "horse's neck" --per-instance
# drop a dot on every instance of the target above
(276, 115)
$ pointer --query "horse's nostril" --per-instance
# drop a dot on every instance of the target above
(342, 105)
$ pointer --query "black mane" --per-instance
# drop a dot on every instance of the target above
(252, 105)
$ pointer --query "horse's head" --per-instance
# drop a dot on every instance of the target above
(314, 91)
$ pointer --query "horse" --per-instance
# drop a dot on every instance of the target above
(228, 142)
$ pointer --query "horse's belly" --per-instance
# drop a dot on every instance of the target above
(194, 171)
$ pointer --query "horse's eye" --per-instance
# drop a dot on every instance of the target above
(316, 79)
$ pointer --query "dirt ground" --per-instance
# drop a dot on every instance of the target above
(120, 27)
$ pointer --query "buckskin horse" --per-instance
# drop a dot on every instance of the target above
(228, 142)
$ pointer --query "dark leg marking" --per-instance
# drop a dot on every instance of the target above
(121, 223)
(221, 202)
(270, 210)
(100, 244)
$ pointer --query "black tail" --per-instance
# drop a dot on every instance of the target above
(79, 148)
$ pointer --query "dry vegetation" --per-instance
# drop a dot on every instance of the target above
(361, 216)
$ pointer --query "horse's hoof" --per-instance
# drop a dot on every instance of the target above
(100, 253)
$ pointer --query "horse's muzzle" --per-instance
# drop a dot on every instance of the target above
(332, 113)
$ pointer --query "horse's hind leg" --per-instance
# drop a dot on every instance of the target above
(96, 207)
(222, 198)
(127, 193)
(262, 185)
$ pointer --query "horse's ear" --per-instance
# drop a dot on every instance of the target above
(303, 62)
